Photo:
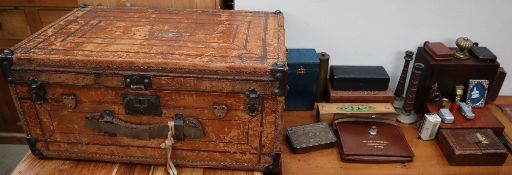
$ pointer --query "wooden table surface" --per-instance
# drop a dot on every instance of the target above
(428, 159)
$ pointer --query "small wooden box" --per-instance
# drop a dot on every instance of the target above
(475, 147)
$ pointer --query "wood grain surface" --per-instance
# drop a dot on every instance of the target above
(428, 159)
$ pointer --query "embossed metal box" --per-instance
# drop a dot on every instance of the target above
(103, 83)
(303, 65)
(311, 137)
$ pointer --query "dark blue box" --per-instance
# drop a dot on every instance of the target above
(303, 65)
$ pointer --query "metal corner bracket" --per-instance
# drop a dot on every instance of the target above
(6, 60)
(31, 142)
(275, 167)
(279, 71)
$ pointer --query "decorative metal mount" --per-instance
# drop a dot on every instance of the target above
(6, 59)
(278, 12)
(83, 5)
(275, 167)
(37, 90)
(32, 145)
(219, 110)
(137, 82)
(253, 101)
(279, 72)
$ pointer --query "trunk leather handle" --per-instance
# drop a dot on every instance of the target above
(106, 122)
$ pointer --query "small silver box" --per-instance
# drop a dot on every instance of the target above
(466, 111)
(446, 115)
(428, 126)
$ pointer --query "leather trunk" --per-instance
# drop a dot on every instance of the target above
(226, 70)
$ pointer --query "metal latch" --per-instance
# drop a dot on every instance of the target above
(137, 82)
(38, 91)
(142, 104)
(253, 101)
(6, 61)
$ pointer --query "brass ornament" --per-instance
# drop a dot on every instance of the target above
(463, 45)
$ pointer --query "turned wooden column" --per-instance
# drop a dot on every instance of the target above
(410, 95)
(400, 87)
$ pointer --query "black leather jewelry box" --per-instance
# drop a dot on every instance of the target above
(359, 78)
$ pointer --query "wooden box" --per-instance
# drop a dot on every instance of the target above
(105, 83)
(474, 147)
(484, 119)
(449, 73)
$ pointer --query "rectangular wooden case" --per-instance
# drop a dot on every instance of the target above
(87, 85)
(468, 147)
(328, 112)
(448, 74)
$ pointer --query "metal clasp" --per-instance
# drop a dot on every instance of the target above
(38, 91)
(137, 82)
(373, 131)
(253, 101)
(301, 70)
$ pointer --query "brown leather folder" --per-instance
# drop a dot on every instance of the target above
(385, 143)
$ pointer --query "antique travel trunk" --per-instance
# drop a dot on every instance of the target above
(105, 83)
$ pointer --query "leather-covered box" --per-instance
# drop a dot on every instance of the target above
(340, 96)
(359, 78)
(483, 54)
(475, 147)
(117, 84)
(303, 65)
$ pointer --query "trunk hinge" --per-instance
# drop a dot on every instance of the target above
(279, 72)
(253, 101)
(6, 59)
(37, 90)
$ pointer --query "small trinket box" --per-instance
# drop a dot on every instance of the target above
(428, 127)
(446, 115)
(466, 111)
(312, 137)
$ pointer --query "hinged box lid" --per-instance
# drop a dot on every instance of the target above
(158, 40)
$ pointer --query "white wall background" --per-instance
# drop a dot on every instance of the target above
(377, 32)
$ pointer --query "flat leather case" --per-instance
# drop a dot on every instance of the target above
(439, 51)
(358, 145)
(303, 65)
(483, 54)
(359, 78)
(474, 147)
(484, 119)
